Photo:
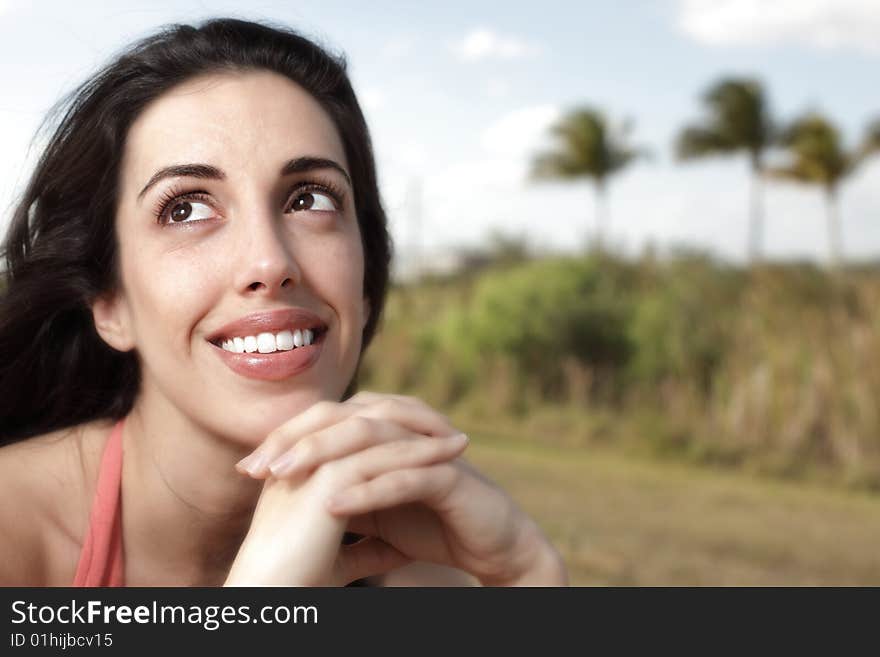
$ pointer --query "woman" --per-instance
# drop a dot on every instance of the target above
(194, 271)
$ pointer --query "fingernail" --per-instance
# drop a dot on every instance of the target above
(459, 438)
(283, 465)
(254, 464)
(246, 461)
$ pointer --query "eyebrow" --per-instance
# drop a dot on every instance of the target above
(209, 172)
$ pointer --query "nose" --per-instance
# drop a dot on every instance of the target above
(266, 264)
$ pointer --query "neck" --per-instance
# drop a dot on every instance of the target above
(185, 506)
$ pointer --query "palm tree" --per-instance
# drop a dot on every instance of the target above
(738, 120)
(871, 141)
(817, 156)
(587, 147)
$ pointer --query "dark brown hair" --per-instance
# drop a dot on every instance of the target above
(61, 250)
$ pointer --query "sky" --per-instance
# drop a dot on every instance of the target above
(459, 97)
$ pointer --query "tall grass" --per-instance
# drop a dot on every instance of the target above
(775, 368)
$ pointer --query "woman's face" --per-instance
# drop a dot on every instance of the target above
(259, 216)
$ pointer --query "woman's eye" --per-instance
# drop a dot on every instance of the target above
(182, 211)
(313, 201)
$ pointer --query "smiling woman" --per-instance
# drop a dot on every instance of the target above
(193, 274)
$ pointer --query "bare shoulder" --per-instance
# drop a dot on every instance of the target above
(49, 482)
(421, 573)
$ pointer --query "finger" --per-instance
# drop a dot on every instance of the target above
(368, 398)
(420, 484)
(353, 434)
(417, 417)
(315, 417)
(409, 411)
(370, 556)
(398, 455)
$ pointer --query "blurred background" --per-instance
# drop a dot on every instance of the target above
(637, 256)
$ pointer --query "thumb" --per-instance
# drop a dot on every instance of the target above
(369, 556)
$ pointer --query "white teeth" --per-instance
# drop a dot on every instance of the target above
(266, 343)
(284, 340)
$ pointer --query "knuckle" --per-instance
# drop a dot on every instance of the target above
(399, 448)
(307, 447)
(360, 425)
(323, 409)
(329, 473)
(389, 404)
(406, 478)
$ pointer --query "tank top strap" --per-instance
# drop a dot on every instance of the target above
(101, 559)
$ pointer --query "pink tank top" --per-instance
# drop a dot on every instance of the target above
(100, 562)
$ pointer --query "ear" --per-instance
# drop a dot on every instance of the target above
(112, 321)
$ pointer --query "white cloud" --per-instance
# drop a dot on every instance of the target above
(486, 44)
(825, 24)
(520, 132)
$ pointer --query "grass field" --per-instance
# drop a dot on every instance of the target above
(619, 521)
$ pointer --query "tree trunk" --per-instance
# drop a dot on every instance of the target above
(601, 213)
(756, 215)
(834, 229)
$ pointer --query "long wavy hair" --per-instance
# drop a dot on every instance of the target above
(61, 249)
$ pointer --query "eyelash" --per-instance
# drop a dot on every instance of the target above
(175, 193)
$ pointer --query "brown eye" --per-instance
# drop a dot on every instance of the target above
(181, 211)
(313, 201)
(186, 211)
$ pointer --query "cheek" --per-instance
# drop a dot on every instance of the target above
(169, 292)
(336, 273)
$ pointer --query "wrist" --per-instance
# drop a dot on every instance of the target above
(538, 564)
(257, 564)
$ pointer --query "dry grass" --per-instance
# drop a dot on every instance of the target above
(624, 522)
(774, 369)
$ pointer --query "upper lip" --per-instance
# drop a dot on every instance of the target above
(268, 321)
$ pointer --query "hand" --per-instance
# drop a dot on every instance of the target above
(444, 512)
(294, 540)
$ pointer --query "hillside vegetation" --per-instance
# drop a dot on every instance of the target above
(774, 368)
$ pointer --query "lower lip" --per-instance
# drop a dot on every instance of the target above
(277, 366)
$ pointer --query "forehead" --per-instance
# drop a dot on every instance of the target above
(253, 121)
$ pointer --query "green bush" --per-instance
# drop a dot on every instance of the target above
(535, 315)
(682, 323)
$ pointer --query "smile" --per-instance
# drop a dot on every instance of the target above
(267, 343)
(277, 361)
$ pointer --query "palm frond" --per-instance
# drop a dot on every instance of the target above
(548, 166)
(737, 119)
(816, 154)
(586, 146)
(870, 145)
(694, 142)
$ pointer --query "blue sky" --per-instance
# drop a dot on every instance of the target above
(459, 95)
